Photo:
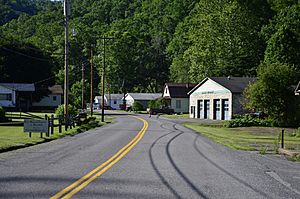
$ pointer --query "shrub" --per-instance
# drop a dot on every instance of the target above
(137, 106)
(2, 114)
(60, 110)
(248, 120)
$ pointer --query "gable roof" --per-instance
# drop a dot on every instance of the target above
(19, 86)
(145, 96)
(179, 90)
(56, 89)
(114, 96)
(234, 84)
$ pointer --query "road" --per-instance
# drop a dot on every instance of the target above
(151, 158)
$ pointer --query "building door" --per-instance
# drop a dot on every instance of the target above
(217, 109)
(200, 109)
(225, 109)
(193, 111)
(206, 109)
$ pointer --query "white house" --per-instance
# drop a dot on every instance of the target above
(53, 100)
(177, 97)
(218, 98)
(16, 95)
(142, 98)
(112, 100)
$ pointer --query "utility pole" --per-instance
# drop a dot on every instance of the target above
(103, 76)
(102, 88)
(67, 12)
(82, 87)
(91, 97)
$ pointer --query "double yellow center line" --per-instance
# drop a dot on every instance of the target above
(75, 187)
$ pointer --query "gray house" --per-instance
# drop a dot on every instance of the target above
(218, 98)
(143, 98)
(177, 97)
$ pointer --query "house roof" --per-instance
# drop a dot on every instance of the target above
(56, 89)
(114, 96)
(145, 96)
(234, 84)
(19, 86)
(179, 90)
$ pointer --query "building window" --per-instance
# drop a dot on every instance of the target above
(115, 101)
(5, 97)
(54, 98)
(178, 103)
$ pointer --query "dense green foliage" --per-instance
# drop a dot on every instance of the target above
(272, 93)
(137, 106)
(60, 110)
(158, 103)
(248, 120)
(154, 41)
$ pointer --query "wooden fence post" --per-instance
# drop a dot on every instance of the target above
(46, 118)
(59, 123)
(52, 124)
(282, 138)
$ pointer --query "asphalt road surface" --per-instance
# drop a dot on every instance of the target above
(144, 158)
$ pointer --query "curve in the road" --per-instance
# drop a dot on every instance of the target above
(75, 187)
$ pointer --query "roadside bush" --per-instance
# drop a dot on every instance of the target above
(137, 106)
(2, 114)
(60, 110)
(248, 120)
(158, 103)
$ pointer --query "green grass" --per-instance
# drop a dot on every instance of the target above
(261, 139)
(12, 137)
(176, 116)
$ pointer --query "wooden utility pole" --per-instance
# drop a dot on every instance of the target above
(67, 12)
(82, 87)
(103, 76)
(91, 96)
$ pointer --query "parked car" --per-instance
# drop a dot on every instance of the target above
(163, 110)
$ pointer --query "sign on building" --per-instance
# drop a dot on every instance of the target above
(35, 126)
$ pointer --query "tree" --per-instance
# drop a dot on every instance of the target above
(219, 38)
(273, 93)
(282, 36)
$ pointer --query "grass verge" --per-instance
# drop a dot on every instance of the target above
(262, 139)
(176, 116)
(13, 137)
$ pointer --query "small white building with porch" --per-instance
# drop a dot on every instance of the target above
(177, 97)
(16, 95)
(218, 98)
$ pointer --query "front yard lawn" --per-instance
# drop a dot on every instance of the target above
(249, 138)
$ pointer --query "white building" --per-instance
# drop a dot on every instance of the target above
(218, 98)
(52, 101)
(16, 95)
(142, 98)
(177, 97)
(112, 100)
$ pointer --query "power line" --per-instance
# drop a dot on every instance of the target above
(25, 55)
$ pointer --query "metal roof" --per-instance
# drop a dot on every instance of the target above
(234, 84)
(145, 96)
(19, 86)
(114, 96)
